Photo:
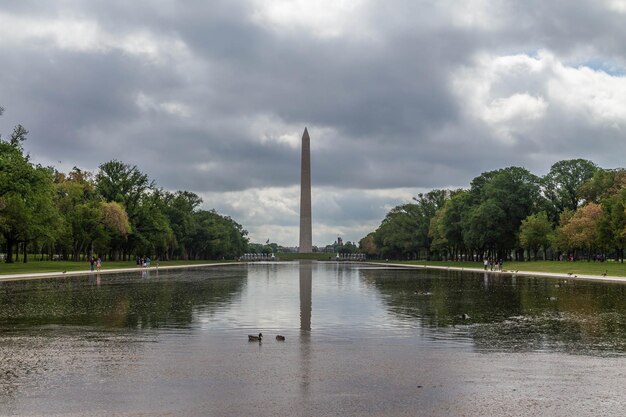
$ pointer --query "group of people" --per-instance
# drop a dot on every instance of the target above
(491, 264)
(95, 263)
(144, 261)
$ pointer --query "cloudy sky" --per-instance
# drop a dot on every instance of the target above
(399, 96)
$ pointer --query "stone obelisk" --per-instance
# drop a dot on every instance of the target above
(306, 239)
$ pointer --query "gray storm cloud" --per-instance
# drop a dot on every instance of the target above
(398, 97)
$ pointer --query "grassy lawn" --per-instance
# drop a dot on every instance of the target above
(59, 266)
(579, 267)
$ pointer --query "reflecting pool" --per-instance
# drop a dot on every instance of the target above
(360, 340)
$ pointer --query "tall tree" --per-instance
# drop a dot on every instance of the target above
(368, 246)
(218, 236)
(612, 224)
(79, 205)
(561, 184)
(397, 234)
(535, 233)
(581, 230)
(125, 184)
(604, 183)
(499, 201)
(454, 211)
(27, 212)
(180, 208)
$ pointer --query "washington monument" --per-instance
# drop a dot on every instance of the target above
(306, 244)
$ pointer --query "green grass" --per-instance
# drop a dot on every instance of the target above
(563, 267)
(34, 266)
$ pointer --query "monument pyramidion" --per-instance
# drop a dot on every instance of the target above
(306, 244)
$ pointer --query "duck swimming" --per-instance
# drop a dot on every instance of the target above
(253, 338)
(280, 338)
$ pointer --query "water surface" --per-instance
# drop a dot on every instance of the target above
(360, 341)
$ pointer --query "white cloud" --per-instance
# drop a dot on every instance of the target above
(270, 129)
(594, 95)
(273, 212)
(617, 5)
(322, 18)
(475, 14)
(517, 94)
(81, 34)
(174, 108)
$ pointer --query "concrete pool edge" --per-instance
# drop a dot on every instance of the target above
(43, 275)
(512, 273)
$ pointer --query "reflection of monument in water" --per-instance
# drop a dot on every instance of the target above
(306, 240)
(306, 305)
(306, 274)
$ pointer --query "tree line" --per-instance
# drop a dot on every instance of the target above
(577, 210)
(117, 213)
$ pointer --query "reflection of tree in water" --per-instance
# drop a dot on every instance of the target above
(508, 313)
(168, 298)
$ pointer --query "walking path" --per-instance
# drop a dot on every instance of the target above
(507, 272)
(39, 275)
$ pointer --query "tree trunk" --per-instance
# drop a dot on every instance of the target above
(9, 258)
(25, 252)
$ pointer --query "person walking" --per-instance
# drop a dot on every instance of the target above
(98, 264)
(92, 263)
(485, 263)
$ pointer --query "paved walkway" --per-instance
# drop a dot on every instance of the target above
(39, 275)
(507, 272)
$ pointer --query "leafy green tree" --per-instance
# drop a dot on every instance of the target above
(454, 211)
(125, 184)
(27, 212)
(498, 202)
(561, 184)
(581, 230)
(438, 241)
(612, 224)
(79, 205)
(258, 248)
(535, 233)
(113, 225)
(152, 233)
(604, 183)
(397, 234)
(218, 237)
(427, 205)
(368, 246)
(88, 221)
(405, 230)
(483, 227)
(180, 208)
